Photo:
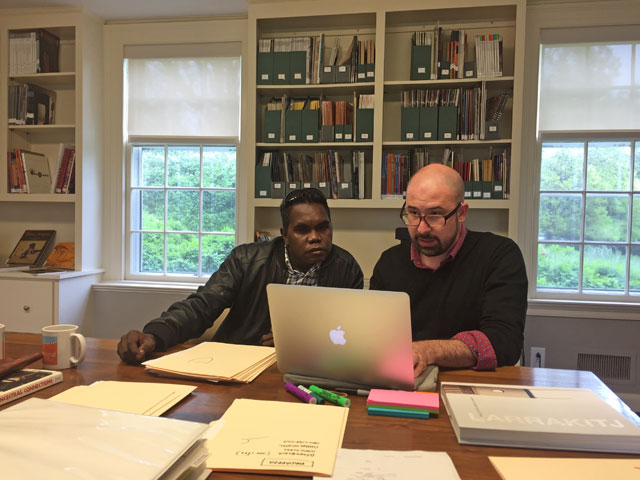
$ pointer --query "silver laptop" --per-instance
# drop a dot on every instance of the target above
(360, 336)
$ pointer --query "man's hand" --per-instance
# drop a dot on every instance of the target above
(135, 346)
(267, 339)
(444, 353)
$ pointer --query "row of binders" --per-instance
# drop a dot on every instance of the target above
(31, 105)
(440, 54)
(28, 172)
(451, 114)
(33, 51)
(308, 60)
(291, 120)
(335, 174)
(483, 179)
(486, 178)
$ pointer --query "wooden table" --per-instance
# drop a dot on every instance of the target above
(209, 402)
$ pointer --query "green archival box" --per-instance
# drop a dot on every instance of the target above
(281, 68)
(265, 68)
(420, 62)
(364, 125)
(298, 68)
(310, 125)
(447, 123)
(409, 123)
(292, 126)
(428, 123)
(272, 123)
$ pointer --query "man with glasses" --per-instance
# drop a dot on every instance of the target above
(303, 255)
(468, 289)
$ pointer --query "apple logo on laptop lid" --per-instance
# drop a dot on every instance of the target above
(337, 336)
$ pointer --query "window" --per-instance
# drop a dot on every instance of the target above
(588, 243)
(182, 208)
(182, 115)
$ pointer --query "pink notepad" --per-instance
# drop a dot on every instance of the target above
(429, 401)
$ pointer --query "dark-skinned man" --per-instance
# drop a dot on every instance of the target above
(302, 255)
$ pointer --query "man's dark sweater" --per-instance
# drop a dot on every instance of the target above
(483, 288)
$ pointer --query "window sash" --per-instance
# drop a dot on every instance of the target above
(131, 272)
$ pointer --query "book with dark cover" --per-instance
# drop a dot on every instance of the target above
(26, 381)
(32, 248)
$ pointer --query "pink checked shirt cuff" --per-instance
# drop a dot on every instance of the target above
(481, 348)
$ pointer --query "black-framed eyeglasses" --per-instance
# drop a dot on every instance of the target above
(413, 219)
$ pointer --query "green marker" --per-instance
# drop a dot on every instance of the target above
(332, 397)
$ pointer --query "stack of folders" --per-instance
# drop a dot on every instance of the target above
(49, 439)
(215, 362)
(141, 398)
(276, 438)
(398, 403)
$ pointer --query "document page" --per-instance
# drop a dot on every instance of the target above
(392, 465)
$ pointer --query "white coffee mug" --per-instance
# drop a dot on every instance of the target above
(2, 353)
(58, 342)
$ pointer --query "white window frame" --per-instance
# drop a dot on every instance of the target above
(134, 141)
(539, 17)
(117, 36)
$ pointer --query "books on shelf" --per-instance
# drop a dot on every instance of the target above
(25, 381)
(32, 248)
(537, 417)
(33, 51)
(28, 172)
(31, 105)
(90, 441)
(64, 170)
(61, 258)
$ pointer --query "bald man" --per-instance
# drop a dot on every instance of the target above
(468, 289)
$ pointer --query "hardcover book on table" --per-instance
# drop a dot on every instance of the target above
(26, 381)
(538, 417)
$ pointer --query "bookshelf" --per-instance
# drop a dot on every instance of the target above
(76, 217)
(77, 121)
(366, 226)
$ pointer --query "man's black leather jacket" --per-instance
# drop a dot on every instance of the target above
(239, 284)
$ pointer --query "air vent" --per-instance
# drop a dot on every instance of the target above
(615, 368)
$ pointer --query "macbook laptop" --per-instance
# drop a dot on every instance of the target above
(359, 336)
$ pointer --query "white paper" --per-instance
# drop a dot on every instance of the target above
(392, 465)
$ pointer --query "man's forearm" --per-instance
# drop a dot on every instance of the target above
(446, 353)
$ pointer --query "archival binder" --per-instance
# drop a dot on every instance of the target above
(345, 190)
(263, 180)
(272, 123)
(492, 130)
(281, 68)
(409, 123)
(470, 70)
(420, 62)
(498, 189)
(298, 67)
(371, 71)
(328, 75)
(476, 190)
(443, 69)
(348, 133)
(292, 125)
(428, 123)
(338, 133)
(487, 188)
(447, 122)
(325, 189)
(265, 68)
(343, 74)
(277, 189)
(364, 124)
(361, 73)
(291, 186)
(310, 120)
(468, 193)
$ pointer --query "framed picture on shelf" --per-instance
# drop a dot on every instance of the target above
(32, 248)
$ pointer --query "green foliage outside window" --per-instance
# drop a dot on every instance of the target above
(189, 229)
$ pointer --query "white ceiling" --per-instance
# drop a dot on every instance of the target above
(142, 9)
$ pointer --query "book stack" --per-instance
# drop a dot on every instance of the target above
(25, 381)
(35, 51)
(398, 403)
